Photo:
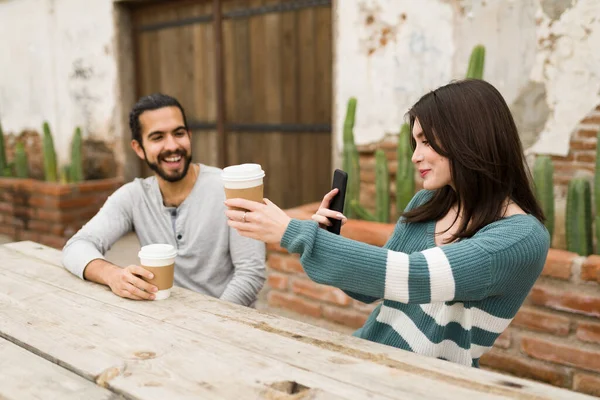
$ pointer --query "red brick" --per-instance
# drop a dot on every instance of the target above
(6, 208)
(542, 321)
(583, 145)
(569, 157)
(374, 233)
(320, 292)
(18, 223)
(56, 216)
(558, 264)
(348, 317)
(81, 202)
(590, 268)
(53, 189)
(8, 230)
(504, 340)
(294, 303)
(24, 212)
(109, 185)
(277, 281)
(524, 368)
(53, 241)
(579, 303)
(57, 229)
(564, 354)
(586, 383)
(29, 235)
(588, 332)
(587, 133)
(284, 263)
(365, 308)
(274, 247)
(40, 226)
(589, 157)
(39, 200)
(592, 119)
(571, 167)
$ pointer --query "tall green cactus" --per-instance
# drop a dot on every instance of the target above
(405, 173)
(50, 171)
(21, 169)
(543, 172)
(476, 63)
(597, 193)
(382, 187)
(76, 168)
(3, 162)
(579, 217)
(350, 159)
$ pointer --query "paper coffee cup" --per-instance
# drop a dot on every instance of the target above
(160, 260)
(244, 181)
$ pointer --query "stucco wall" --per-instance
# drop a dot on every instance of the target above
(542, 55)
(58, 64)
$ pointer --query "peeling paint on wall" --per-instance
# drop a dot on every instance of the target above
(59, 70)
(542, 55)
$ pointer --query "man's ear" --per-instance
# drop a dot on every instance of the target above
(137, 147)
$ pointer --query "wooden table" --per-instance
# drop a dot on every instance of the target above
(64, 338)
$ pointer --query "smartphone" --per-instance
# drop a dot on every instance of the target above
(340, 179)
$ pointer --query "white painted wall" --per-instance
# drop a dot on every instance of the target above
(429, 42)
(57, 63)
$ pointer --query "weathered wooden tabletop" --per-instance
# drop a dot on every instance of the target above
(64, 338)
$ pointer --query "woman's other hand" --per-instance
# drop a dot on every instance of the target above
(264, 222)
(323, 212)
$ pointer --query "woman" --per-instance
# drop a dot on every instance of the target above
(464, 254)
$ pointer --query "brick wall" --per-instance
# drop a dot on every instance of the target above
(555, 337)
(50, 213)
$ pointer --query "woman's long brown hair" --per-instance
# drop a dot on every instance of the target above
(469, 123)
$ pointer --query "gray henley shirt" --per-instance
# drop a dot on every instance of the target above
(212, 258)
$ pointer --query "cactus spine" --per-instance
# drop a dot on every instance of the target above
(579, 217)
(544, 189)
(405, 173)
(476, 63)
(21, 170)
(50, 171)
(382, 187)
(4, 170)
(350, 159)
(76, 168)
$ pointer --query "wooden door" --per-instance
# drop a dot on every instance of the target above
(277, 68)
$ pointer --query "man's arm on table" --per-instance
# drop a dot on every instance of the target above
(83, 255)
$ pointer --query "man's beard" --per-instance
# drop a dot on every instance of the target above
(187, 159)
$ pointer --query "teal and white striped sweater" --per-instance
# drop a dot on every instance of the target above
(449, 302)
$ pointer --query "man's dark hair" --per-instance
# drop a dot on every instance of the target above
(147, 103)
(469, 123)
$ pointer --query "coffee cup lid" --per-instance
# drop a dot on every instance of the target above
(242, 172)
(157, 251)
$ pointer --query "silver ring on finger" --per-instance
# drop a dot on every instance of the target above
(244, 216)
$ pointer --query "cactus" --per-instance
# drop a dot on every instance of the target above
(21, 170)
(476, 63)
(544, 189)
(405, 173)
(360, 212)
(3, 163)
(579, 217)
(350, 159)
(382, 187)
(76, 172)
(597, 193)
(50, 171)
(65, 174)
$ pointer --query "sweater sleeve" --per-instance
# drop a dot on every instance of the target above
(393, 241)
(97, 236)
(460, 271)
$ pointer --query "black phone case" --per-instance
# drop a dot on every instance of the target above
(340, 178)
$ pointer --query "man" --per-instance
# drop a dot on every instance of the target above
(182, 205)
